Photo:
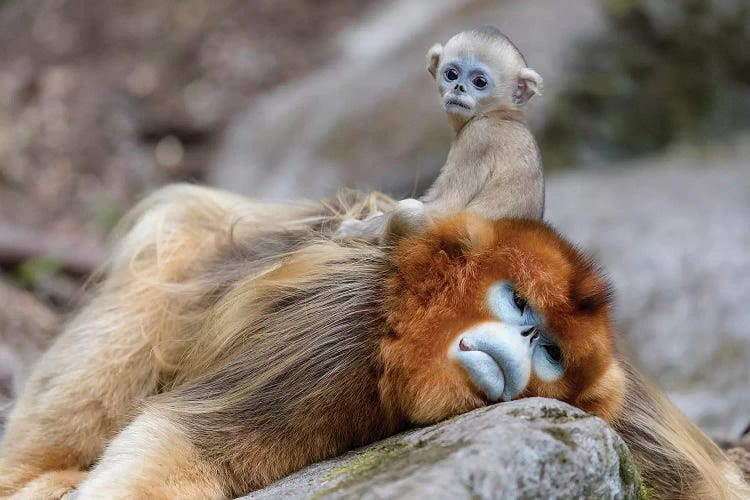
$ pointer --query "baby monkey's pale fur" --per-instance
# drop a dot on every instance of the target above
(494, 167)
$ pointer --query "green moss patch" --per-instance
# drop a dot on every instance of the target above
(391, 455)
(371, 459)
(551, 414)
(629, 475)
(562, 435)
(560, 416)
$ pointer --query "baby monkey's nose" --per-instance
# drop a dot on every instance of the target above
(460, 88)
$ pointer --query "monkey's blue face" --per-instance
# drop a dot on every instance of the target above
(499, 356)
(464, 84)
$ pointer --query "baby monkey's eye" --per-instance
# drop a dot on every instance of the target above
(479, 82)
(520, 302)
(451, 74)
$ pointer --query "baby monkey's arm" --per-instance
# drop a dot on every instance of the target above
(407, 218)
(519, 196)
(465, 172)
(461, 179)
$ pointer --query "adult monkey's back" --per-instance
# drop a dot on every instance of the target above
(260, 346)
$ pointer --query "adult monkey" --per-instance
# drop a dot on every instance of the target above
(230, 344)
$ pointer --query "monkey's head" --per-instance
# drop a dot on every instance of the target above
(479, 71)
(481, 312)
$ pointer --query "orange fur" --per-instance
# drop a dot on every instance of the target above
(440, 290)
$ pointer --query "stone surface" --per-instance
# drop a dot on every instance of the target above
(533, 448)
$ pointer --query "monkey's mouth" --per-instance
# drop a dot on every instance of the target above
(484, 371)
(496, 357)
(455, 104)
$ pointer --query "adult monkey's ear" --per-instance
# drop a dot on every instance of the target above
(463, 233)
(433, 58)
(528, 85)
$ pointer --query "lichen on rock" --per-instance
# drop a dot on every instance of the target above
(532, 448)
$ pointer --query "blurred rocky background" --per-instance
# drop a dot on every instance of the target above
(644, 128)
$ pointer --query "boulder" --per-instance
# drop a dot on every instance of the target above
(531, 448)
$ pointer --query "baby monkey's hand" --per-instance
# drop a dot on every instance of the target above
(407, 218)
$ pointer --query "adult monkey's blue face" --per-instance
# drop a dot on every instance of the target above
(480, 71)
(501, 354)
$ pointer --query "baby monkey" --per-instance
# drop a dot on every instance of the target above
(493, 166)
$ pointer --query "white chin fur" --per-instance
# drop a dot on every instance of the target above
(458, 110)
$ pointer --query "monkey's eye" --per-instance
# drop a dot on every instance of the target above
(520, 302)
(553, 352)
(451, 74)
(479, 82)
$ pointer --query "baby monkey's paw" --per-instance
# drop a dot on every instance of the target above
(369, 229)
(407, 219)
(409, 205)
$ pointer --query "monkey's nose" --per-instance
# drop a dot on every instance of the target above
(460, 88)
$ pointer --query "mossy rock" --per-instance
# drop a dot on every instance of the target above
(532, 448)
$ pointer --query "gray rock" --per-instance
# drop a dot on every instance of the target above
(533, 448)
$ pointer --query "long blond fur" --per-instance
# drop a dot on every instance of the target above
(165, 235)
(674, 457)
(129, 342)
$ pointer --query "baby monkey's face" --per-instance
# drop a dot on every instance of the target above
(466, 84)
(481, 71)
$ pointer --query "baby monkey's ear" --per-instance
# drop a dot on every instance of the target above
(528, 85)
(433, 58)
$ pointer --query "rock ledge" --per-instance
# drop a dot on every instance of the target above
(533, 448)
